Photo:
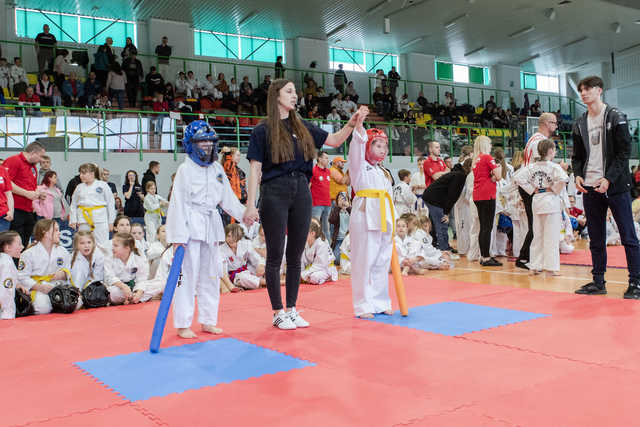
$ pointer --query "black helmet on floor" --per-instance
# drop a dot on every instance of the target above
(24, 307)
(64, 298)
(95, 295)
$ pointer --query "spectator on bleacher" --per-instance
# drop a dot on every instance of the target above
(245, 85)
(339, 79)
(266, 83)
(101, 64)
(349, 106)
(487, 117)
(116, 83)
(536, 109)
(102, 101)
(403, 105)
(4, 74)
(59, 67)
(150, 175)
(44, 90)
(311, 88)
(128, 50)
(73, 91)
(248, 103)
(163, 51)
(351, 91)
(108, 44)
(491, 103)
(221, 83)
(133, 207)
(334, 116)
(339, 104)
(313, 113)
(234, 89)
(378, 101)
(388, 103)
(320, 93)
(181, 85)
(228, 101)
(154, 82)
(279, 68)
(393, 78)
(91, 89)
(193, 85)
(209, 89)
(19, 81)
(169, 95)
(381, 80)
(45, 49)
(133, 69)
(2, 102)
(422, 102)
(500, 119)
(512, 105)
(24, 179)
(160, 105)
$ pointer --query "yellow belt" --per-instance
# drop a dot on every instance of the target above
(383, 196)
(47, 278)
(344, 257)
(156, 211)
(87, 213)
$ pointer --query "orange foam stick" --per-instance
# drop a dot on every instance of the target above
(397, 280)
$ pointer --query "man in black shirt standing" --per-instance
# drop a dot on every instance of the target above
(163, 51)
(133, 69)
(45, 49)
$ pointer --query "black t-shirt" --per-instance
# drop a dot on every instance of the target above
(133, 207)
(260, 150)
(46, 39)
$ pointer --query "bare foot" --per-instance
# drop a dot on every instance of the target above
(366, 316)
(211, 329)
(388, 312)
(555, 273)
(186, 333)
(405, 271)
(136, 297)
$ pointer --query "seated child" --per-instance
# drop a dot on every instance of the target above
(235, 251)
(156, 249)
(10, 247)
(345, 255)
(87, 261)
(125, 271)
(317, 258)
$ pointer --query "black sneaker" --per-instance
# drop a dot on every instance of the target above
(633, 291)
(593, 288)
(521, 264)
(491, 262)
(453, 251)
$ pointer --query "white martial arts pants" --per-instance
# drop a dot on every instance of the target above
(7, 301)
(42, 303)
(246, 280)
(545, 246)
(520, 228)
(201, 275)
(370, 262)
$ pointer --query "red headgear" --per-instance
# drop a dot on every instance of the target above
(372, 134)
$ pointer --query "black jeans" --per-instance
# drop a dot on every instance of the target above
(527, 200)
(285, 213)
(595, 209)
(23, 223)
(486, 215)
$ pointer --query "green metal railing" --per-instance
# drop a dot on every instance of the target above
(552, 103)
(405, 139)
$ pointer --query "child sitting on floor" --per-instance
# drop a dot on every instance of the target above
(317, 258)
(235, 251)
(10, 247)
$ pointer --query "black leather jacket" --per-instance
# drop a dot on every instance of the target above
(616, 148)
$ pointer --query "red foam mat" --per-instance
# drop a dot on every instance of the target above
(616, 257)
(365, 373)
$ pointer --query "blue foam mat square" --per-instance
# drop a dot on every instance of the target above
(456, 318)
(140, 376)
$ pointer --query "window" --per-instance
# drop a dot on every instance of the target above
(74, 28)
(542, 83)
(462, 73)
(361, 60)
(237, 46)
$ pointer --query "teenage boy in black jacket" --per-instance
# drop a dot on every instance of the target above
(600, 161)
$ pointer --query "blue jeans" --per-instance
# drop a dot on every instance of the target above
(4, 224)
(595, 210)
(440, 228)
(336, 251)
(321, 213)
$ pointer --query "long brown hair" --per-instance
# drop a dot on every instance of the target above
(76, 242)
(127, 240)
(282, 149)
(498, 155)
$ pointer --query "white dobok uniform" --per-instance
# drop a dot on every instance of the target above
(155, 251)
(371, 247)
(9, 280)
(153, 215)
(136, 269)
(345, 255)
(547, 211)
(403, 198)
(96, 202)
(85, 272)
(238, 262)
(193, 220)
(35, 264)
(317, 263)
(462, 215)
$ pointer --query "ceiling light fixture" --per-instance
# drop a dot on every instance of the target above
(250, 17)
(474, 51)
(387, 25)
(455, 20)
(411, 42)
(531, 58)
(337, 30)
(522, 32)
(581, 39)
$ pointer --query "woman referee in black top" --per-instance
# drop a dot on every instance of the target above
(281, 153)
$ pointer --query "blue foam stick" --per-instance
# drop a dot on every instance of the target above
(167, 296)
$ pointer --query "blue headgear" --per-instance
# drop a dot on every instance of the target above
(198, 131)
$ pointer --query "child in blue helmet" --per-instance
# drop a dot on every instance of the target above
(193, 221)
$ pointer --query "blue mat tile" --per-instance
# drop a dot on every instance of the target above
(456, 318)
(140, 376)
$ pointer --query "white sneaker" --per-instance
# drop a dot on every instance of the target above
(282, 320)
(297, 319)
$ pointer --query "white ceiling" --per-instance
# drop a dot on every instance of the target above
(487, 23)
